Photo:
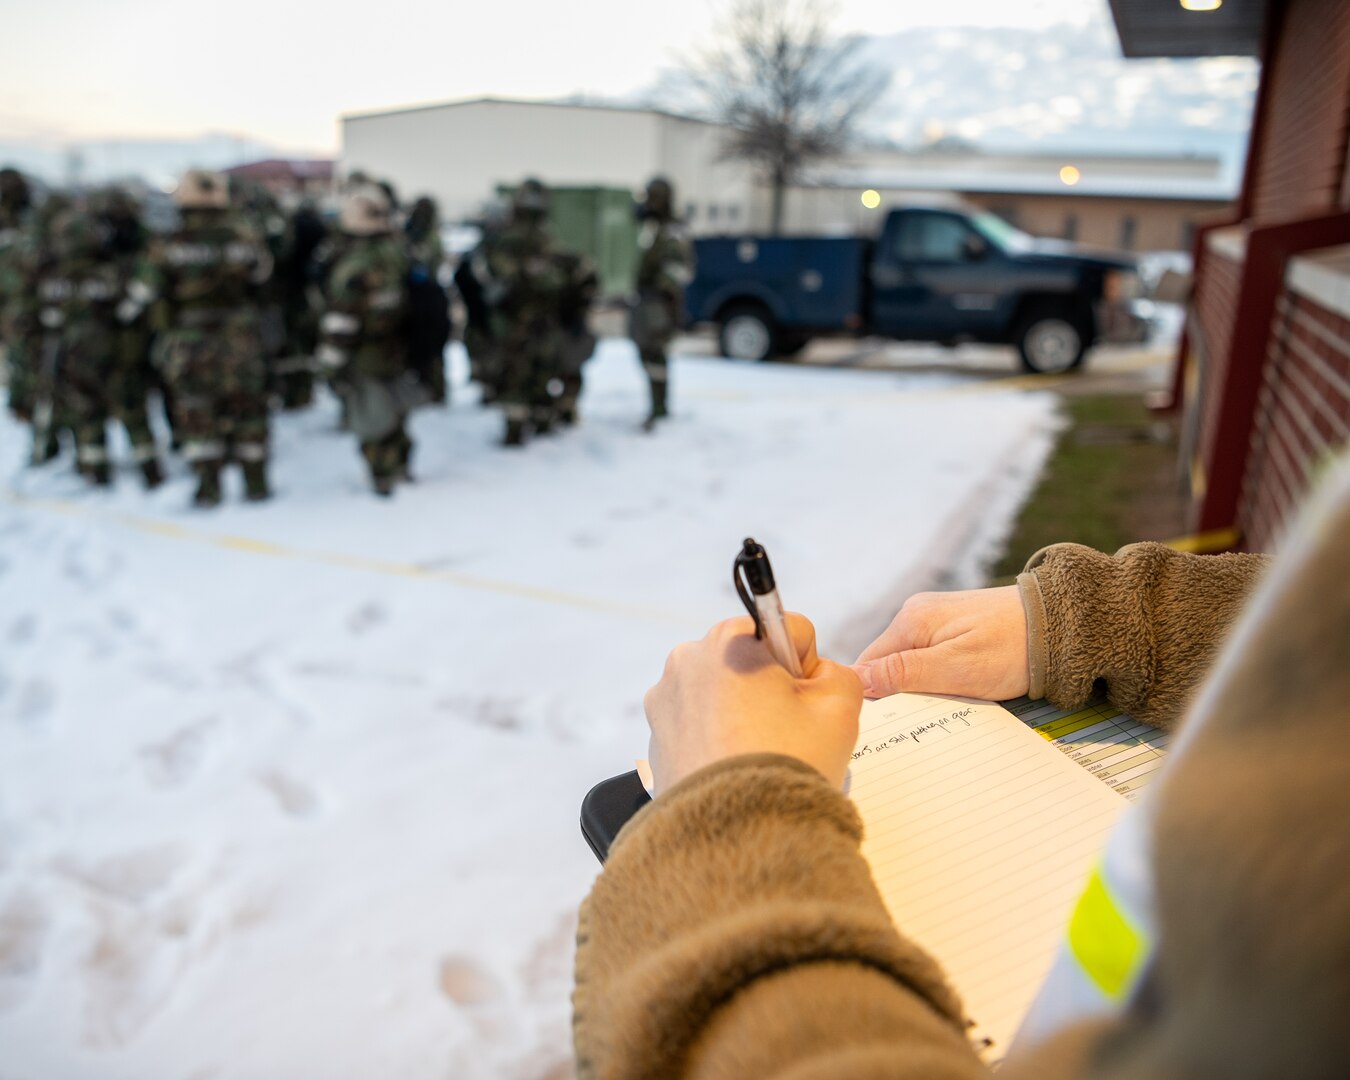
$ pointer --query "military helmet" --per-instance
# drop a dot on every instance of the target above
(660, 200)
(201, 189)
(365, 212)
(15, 194)
(531, 198)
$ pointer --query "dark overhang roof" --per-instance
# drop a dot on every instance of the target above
(1165, 28)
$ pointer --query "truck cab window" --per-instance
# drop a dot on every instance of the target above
(932, 238)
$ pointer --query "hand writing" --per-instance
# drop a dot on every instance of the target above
(725, 695)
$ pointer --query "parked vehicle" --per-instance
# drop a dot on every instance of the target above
(946, 275)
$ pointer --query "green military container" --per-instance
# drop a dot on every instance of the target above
(597, 222)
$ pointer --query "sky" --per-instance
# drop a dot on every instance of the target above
(283, 72)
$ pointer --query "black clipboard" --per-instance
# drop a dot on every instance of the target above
(608, 806)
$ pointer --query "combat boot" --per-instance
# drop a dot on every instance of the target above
(658, 412)
(542, 418)
(45, 450)
(384, 486)
(255, 481)
(99, 474)
(152, 473)
(208, 484)
(405, 460)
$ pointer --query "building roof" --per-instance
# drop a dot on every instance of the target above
(1165, 28)
(374, 114)
(987, 175)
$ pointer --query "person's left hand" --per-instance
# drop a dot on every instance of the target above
(726, 695)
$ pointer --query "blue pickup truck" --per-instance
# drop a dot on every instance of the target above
(947, 275)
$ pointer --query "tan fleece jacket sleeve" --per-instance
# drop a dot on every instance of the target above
(729, 903)
(1147, 621)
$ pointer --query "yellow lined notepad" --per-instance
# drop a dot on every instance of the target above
(980, 835)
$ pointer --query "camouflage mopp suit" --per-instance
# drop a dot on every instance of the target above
(665, 267)
(535, 297)
(18, 312)
(202, 281)
(91, 357)
(363, 344)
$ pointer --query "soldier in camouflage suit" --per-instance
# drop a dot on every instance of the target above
(34, 384)
(470, 278)
(298, 278)
(665, 267)
(577, 343)
(431, 314)
(16, 318)
(363, 336)
(82, 297)
(259, 212)
(125, 243)
(203, 281)
(523, 281)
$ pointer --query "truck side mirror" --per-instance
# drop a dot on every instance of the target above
(975, 248)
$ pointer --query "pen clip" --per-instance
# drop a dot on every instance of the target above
(739, 575)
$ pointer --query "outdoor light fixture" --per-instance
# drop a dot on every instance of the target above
(1202, 5)
(1070, 175)
(871, 199)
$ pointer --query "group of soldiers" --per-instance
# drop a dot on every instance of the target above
(241, 306)
(527, 301)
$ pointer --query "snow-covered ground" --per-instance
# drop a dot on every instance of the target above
(291, 789)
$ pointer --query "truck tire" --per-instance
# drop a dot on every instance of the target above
(747, 332)
(1051, 341)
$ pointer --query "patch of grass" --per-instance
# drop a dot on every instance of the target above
(1111, 480)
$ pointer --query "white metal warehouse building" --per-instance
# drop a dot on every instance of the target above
(459, 152)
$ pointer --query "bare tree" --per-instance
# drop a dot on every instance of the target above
(788, 89)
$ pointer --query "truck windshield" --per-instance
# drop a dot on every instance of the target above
(998, 232)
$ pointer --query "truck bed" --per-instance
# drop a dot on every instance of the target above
(808, 283)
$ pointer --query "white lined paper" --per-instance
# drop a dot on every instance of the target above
(980, 835)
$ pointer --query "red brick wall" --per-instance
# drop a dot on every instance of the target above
(1300, 168)
(1303, 415)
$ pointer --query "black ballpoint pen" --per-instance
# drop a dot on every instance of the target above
(754, 582)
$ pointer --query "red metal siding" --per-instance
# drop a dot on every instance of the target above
(1303, 415)
(1215, 311)
(1300, 167)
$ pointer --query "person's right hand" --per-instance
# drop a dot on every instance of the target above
(972, 643)
(726, 695)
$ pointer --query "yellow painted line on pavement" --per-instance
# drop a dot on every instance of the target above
(267, 549)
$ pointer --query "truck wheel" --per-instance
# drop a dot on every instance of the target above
(747, 333)
(1051, 342)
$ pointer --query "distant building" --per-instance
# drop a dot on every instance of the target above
(285, 177)
(1132, 202)
(461, 152)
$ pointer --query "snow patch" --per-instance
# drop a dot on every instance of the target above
(292, 789)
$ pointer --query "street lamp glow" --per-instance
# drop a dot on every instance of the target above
(871, 199)
(1202, 5)
(1070, 175)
